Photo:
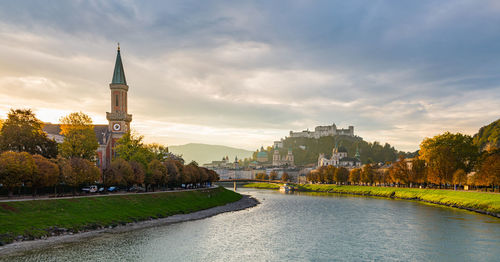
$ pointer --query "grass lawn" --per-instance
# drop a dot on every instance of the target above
(263, 185)
(33, 218)
(484, 201)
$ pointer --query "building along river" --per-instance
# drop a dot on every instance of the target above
(301, 227)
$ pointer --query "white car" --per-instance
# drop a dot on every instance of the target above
(90, 189)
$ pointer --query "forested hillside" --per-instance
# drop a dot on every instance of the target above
(488, 136)
(306, 150)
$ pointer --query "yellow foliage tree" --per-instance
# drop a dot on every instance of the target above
(15, 169)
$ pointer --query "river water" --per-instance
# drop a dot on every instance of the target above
(302, 227)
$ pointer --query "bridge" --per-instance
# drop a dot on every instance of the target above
(241, 181)
(247, 180)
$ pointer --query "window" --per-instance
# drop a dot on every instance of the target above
(116, 100)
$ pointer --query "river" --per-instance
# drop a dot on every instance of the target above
(301, 227)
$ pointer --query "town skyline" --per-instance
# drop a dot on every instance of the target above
(234, 70)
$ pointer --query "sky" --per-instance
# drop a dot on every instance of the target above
(245, 73)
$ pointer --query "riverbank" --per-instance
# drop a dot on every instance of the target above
(42, 219)
(484, 203)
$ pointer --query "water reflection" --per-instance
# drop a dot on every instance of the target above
(304, 227)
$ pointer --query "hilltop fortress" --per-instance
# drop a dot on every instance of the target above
(321, 131)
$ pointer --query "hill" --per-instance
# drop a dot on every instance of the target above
(488, 136)
(306, 150)
(203, 153)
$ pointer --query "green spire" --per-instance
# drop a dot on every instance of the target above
(357, 156)
(119, 74)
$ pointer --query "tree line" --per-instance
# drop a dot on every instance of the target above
(29, 158)
(444, 160)
(273, 175)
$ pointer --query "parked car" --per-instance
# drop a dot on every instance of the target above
(136, 189)
(90, 189)
(113, 189)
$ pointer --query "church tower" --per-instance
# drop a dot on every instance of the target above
(119, 120)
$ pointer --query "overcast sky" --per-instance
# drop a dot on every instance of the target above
(245, 73)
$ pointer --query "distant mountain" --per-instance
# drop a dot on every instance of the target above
(488, 136)
(203, 153)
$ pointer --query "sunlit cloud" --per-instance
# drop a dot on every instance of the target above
(244, 74)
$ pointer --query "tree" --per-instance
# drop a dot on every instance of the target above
(341, 175)
(80, 171)
(45, 174)
(400, 172)
(130, 147)
(328, 174)
(355, 176)
(158, 151)
(15, 169)
(79, 138)
(174, 176)
(261, 176)
(158, 172)
(22, 132)
(120, 173)
(445, 154)
(459, 177)
(138, 173)
(367, 174)
(273, 175)
(489, 171)
(418, 171)
(285, 177)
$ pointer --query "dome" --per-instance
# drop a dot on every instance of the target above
(342, 149)
(262, 154)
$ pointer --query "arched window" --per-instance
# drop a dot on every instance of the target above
(116, 100)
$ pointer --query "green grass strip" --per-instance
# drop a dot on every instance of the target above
(488, 202)
(33, 218)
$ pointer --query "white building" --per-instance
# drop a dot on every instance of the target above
(339, 158)
(287, 160)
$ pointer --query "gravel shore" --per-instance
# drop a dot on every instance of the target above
(22, 246)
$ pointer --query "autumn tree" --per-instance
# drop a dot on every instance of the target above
(341, 175)
(273, 175)
(45, 174)
(79, 137)
(158, 172)
(400, 171)
(418, 171)
(285, 177)
(261, 176)
(367, 174)
(15, 169)
(194, 172)
(119, 173)
(445, 154)
(489, 170)
(355, 176)
(459, 177)
(328, 174)
(22, 132)
(174, 176)
(138, 173)
(80, 171)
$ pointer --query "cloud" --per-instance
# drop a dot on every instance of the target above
(244, 73)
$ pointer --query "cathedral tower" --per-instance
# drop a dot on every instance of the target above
(119, 120)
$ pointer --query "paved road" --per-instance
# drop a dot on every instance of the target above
(94, 195)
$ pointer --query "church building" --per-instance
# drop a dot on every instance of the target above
(339, 158)
(118, 119)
